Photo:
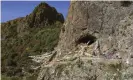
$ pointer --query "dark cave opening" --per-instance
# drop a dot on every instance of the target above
(85, 39)
(125, 3)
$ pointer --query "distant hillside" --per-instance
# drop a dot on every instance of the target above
(34, 34)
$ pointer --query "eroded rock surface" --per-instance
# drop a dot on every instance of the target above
(110, 23)
(95, 43)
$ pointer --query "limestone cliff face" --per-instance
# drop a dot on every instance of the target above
(109, 23)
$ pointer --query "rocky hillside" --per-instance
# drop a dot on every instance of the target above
(109, 23)
(96, 43)
(34, 34)
(41, 16)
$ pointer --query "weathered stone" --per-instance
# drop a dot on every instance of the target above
(110, 23)
(108, 26)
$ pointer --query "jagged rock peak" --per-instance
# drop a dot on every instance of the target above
(42, 6)
(43, 14)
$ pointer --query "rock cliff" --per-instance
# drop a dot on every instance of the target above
(109, 23)
(96, 43)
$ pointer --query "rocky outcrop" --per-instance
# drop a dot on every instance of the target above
(109, 23)
(95, 43)
(44, 14)
(79, 65)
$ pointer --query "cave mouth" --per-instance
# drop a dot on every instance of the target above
(85, 39)
(125, 3)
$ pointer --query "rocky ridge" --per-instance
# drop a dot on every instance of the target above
(42, 15)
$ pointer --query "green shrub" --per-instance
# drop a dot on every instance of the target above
(15, 50)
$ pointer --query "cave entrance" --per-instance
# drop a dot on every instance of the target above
(87, 39)
(125, 3)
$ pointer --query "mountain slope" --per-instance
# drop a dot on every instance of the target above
(34, 34)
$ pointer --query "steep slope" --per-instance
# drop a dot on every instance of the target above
(95, 43)
(34, 34)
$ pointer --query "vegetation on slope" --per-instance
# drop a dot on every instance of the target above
(16, 50)
(34, 34)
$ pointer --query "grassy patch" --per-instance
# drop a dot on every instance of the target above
(3, 77)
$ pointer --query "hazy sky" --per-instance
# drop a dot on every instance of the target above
(14, 9)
